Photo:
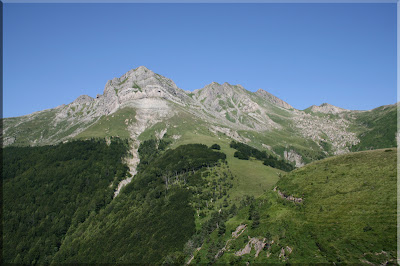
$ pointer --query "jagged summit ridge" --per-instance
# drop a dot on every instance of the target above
(273, 99)
(143, 83)
(327, 108)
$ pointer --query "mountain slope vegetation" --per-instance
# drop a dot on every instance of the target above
(380, 128)
(338, 210)
(160, 219)
(49, 190)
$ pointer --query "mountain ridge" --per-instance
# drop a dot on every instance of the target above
(258, 118)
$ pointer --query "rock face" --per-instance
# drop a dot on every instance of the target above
(292, 156)
(255, 243)
(288, 197)
(273, 99)
(234, 106)
(325, 129)
(136, 84)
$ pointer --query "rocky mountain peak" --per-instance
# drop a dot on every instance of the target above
(83, 99)
(215, 91)
(327, 108)
(273, 99)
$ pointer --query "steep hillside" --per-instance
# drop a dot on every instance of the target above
(338, 210)
(49, 190)
(376, 128)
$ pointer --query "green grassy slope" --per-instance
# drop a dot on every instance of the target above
(253, 178)
(376, 128)
(40, 129)
(348, 214)
(112, 125)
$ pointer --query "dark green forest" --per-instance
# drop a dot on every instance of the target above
(59, 206)
(244, 152)
(50, 189)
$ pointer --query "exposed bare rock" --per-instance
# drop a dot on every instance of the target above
(191, 258)
(228, 132)
(234, 106)
(121, 185)
(285, 252)
(149, 111)
(8, 141)
(327, 108)
(239, 230)
(294, 157)
(83, 99)
(176, 137)
(255, 243)
(273, 99)
(160, 134)
(333, 130)
(288, 197)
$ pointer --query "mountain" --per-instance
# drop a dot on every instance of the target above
(141, 102)
(149, 173)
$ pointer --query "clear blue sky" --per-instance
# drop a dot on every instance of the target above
(305, 54)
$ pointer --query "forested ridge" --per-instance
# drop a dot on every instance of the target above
(152, 219)
(59, 206)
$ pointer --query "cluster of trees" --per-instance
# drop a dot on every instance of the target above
(50, 189)
(244, 152)
(215, 147)
(189, 157)
(254, 216)
(149, 150)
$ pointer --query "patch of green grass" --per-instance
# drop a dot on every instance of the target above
(122, 82)
(111, 125)
(40, 130)
(136, 86)
(230, 118)
(230, 104)
(222, 104)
